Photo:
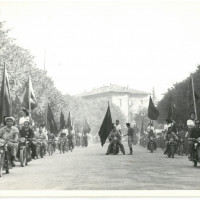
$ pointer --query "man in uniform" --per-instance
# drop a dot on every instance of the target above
(10, 134)
(130, 134)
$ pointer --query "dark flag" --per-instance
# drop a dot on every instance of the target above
(106, 127)
(5, 101)
(62, 120)
(69, 122)
(86, 127)
(28, 96)
(51, 124)
(153, 113)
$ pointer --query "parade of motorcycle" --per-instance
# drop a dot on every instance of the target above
(99, 97)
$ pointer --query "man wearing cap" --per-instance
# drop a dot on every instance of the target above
(195, 133)
(130, 134)
(10, 134)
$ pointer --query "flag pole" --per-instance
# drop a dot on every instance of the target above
(29, 100)
(195, 109)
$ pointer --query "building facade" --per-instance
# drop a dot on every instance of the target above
(129, 101)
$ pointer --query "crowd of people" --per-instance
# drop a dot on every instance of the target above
(11, 133)
(183, 137)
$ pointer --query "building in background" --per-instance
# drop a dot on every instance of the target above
(130, 101)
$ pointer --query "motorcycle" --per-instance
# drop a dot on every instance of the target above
(78, 142)
(196, 151)
(181, 147)
(151, 144)
(5, 163)
(171, 148)
(24, 153)
(50, 147)
(70, 143)
(39, 148)
(62, 144)
(115, 146)
(84, 142)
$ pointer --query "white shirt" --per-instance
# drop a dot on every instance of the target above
(190, 123)
(23, 119)
(148, 128)
(118, 127)
(166, 126)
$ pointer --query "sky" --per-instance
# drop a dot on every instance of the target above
(87, 44)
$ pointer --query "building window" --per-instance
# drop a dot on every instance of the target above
(120, 102)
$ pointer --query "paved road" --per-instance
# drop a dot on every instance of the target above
(90, 169)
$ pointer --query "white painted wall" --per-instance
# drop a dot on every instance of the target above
(124, 103)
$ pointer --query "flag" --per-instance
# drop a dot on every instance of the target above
(69, 122)
(153, 113)
(28, 96)
(51, 124)
(5, 101)
(106, 127)
(62, 120)
(86, 127)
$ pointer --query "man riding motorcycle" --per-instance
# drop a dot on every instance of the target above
(28, 133)
(10, 134)
(194, 134)
(52, 137)
(70, 138)
(168, 136)
(114, 134)
(151, 134)
(40, 135)
(62, 137)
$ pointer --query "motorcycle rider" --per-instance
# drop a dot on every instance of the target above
(167, 138)
(28, 133)
(40, 135)
(114, 133)
(10, 134)
(195, 133)
(62, 136)
(190, 123)
(52, 137)
(130, 134)
(151, 134)
(70, 138)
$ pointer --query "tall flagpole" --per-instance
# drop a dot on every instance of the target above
(195, 109)
(29, 100)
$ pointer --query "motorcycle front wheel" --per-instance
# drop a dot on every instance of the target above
(1, 163)
(22, 157)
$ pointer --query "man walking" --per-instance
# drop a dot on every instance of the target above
(130, 134)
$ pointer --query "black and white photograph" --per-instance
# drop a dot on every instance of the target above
(99, 98)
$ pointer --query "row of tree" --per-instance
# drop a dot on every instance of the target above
(20, 65)
(178, 102)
